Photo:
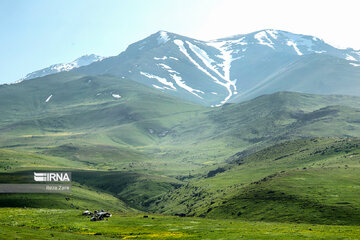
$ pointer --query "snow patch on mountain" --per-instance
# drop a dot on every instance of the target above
(156, 86)
(48, 99)
(355, 64)
(164, 66)
(226, 56)
(182, 48)
(183, 85)
(165, 57)
(292, 44)
(272, 33)
(162, 58)
(178, 80)
(299, 40)
(163, 37)
(350, 58)
(160, 79)
(204, 57)
(172, 71)
(65, 67)
(263, 39)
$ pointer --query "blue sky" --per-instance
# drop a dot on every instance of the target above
(35, 34)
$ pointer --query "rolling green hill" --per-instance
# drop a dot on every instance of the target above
(145, 130)
(154, 152)
(308, 180)
(81, 197)
(116, 190)
(84, 123)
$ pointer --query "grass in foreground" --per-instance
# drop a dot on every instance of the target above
(16, 223)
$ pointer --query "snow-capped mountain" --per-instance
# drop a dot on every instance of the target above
(231, 69)
(60, 67)
(236, 68)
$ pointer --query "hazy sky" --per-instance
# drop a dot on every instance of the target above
(35, 34)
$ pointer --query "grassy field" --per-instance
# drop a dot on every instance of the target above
(69, 224)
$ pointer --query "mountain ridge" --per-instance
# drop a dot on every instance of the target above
(61, 67)
(235, 68)
(221, 70)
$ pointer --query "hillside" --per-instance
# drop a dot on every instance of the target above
(310, 180)
(109, 123)
(314, 73)
(107, 131)
(92, 117)
(116, 190)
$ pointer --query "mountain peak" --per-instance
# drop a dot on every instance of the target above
(87, 59)
(61, 67)
(226, 70)
(163, 37)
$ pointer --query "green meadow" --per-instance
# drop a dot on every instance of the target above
(69, 224)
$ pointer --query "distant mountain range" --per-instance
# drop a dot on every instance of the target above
(61, 67)
(230, 69)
